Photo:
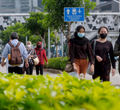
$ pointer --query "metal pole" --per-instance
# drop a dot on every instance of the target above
(83, 2)
(31, 5)
(119, 6)
(62, 42)
(48, 42)
(26, 40)
(97, 2)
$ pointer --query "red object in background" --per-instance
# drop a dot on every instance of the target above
(41, 53)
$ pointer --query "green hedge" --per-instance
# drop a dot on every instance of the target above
(59, 93)
(57, 63)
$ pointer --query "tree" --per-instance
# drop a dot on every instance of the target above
(34, 39)
(55, 40)
(37, 25)
(55, 9)
(19, 28)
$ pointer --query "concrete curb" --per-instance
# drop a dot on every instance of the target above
(55, 71)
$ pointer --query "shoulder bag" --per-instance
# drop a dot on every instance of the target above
(89, 65)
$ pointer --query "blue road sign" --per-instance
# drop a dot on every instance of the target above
(73, 14)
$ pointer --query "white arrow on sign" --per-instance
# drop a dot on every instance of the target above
(79, 11)
(74, 11)
(68, 11)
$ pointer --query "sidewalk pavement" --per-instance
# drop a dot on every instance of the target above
(115, 80)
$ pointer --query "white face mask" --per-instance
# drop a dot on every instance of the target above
(29, 46)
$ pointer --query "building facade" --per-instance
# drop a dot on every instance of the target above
(100, 1)
(107, 6)
(17, 6)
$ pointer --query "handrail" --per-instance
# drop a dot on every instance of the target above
(14, 14)
(104, 13)
(91, 13)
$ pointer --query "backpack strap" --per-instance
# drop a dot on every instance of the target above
(10, 44)
(94, 45)
(18, 44)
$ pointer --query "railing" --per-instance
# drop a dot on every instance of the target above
(8, 19)
(92, 22)
(95, 20)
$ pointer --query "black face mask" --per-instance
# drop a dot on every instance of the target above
(103, 36)
(39, 46)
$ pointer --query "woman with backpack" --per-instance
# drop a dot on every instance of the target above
(41, 53)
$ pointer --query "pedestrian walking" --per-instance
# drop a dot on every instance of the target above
(41, 53)
(80, 51)
(117, 51)
(104, 56)
(16, 53)
(31, 55)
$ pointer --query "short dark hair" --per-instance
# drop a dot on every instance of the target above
(14, 35)
(101, 28)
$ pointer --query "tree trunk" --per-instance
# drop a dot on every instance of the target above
(68, 36)
(56, 51)
(43, 40)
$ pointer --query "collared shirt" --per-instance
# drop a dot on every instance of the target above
(7, 50)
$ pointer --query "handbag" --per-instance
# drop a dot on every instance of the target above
(89, 70)
(36, 60)
(30, 61)
(89, 65)
(69, 67)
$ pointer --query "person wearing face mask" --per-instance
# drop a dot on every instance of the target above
(31, 54)
(80, 51)
(41, 53)
(117, 51)
(104, 56)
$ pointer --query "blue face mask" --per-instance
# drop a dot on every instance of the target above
(81, 35)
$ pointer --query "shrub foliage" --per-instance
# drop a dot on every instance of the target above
(64, 92)
(57, 63)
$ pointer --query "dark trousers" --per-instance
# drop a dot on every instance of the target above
(16, 69)
(39, 69)
(29, 70)
(102, 70)
(102, 77)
